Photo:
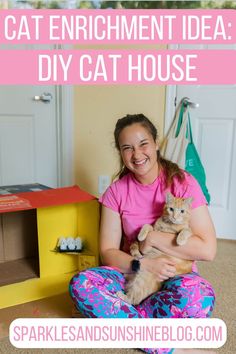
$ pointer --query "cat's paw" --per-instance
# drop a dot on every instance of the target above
(182, 237)
(120, 294)
(181, 240)
(134, 250)
(144, 231)
(123, 296)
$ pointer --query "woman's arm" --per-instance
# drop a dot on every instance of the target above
(200, 246)
(110, 239)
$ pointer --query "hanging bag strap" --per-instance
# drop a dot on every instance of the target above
(189, 130)
(180, 121)
(176, 125)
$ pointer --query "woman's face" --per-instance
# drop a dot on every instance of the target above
(139, 152)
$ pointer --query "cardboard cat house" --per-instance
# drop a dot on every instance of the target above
(33, 218)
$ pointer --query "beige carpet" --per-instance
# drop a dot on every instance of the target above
(221, 273)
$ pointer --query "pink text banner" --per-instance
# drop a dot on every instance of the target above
(117, 26)
(96, 67)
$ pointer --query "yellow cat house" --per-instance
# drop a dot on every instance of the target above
(32, 222)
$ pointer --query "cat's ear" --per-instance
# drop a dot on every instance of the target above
(169, 197)
(188, 201)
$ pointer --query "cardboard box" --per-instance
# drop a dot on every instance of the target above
(31, 224)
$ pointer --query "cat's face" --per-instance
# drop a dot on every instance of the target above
(177, 209)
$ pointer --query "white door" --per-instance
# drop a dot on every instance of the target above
(28, 136)
(214, 133)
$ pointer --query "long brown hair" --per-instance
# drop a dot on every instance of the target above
(171, 169)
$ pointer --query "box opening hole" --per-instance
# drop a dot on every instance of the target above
(19, 258)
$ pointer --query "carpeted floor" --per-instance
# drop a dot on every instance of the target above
(220, 272)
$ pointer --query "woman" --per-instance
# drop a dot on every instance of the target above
(137, 198)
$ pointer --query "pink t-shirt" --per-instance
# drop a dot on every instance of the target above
(140, 204)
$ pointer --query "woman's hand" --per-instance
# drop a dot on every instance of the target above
(162, 267)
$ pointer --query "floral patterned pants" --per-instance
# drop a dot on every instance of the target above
(94, 294)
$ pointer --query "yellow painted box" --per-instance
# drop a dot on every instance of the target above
(31, 224)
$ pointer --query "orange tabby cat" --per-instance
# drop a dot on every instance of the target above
(175, 219)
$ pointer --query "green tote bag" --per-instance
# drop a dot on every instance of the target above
(193, 164)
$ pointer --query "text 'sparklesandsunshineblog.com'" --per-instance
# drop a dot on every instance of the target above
(117, 333)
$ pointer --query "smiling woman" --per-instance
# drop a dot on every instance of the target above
(139, 152)
(135, 199)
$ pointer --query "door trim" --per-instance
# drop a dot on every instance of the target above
(65, 141)
(65, 129)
